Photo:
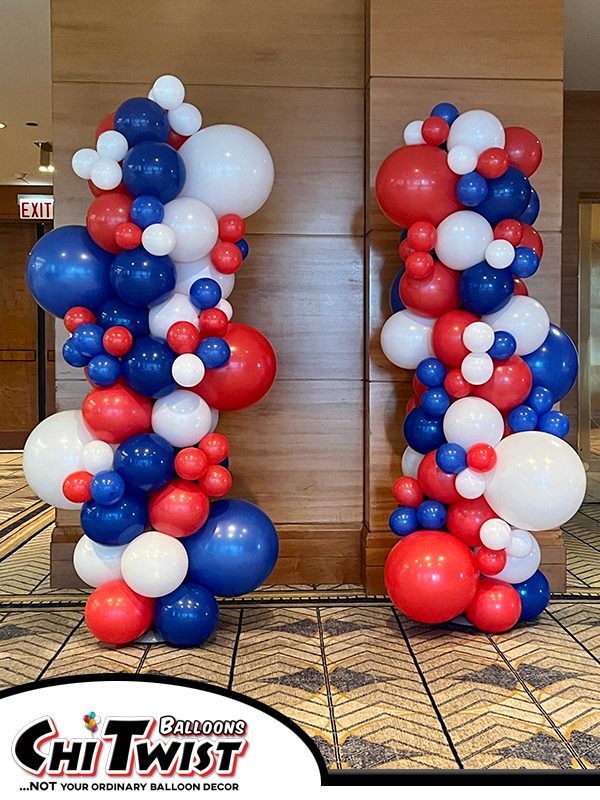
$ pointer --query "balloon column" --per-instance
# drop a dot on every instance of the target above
(486, 463)
(143, 289)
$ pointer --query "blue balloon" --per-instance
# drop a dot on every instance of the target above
(403, 520)
(446, 111)
(483, 289)
(118, 524)
(431, 515)
(66, 268)
(504, 346)
(87, 338)
(214, 352)
(396, 303)
(507, 197)
(117, 312)
(534, 594)
(104, 369)
(141, 279)
(526, 262)
(522, 418)
(235, 550)
(554, 364)
(554, 422)
(140, 119)
(472, 189)
(107, 487)
(147, 367)
(242, 244)
(435, 401)
(205, 293)
(530, 214)
(540, 399)
(451, 458)
(72, 355)
(146, 210)
(145, 462)
(187, 616)
(154, 168)
(423, 432)
(431, 372)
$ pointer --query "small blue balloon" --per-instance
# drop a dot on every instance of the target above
(396, 303)
(403, 520)
(107, 488)
(145, 462)
(471, 189)
(146, 210)
(104, 369)
(154, 168)
(540, 399)
(242, 244)
(147, 367)
(554, 364)
(534, 594)
(423, 432)
(446, 111)
(72, 355)
(187, 616)
(504, 346)
(431, 372)
(225, 462)
(87, 338)
(484, 290)
(554, 422)
(522, 418)
(530, 214)
(435, 401)
(214, 352)
(205, 293)
(118, 524)
(141, 279)
(507, 197)
(117, 312)
(526, 262)
(431, 515)
(140, 119)
(451, 458)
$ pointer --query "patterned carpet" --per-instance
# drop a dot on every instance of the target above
(372, 688)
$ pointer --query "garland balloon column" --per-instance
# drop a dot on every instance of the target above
(486, 464)
(143, 290)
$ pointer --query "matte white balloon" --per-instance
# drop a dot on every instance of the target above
(518, 570)
(462, 159)
(526, 319)
(195, 227)
(158, 239)
(412, 133)
(495, 534)
(97, 456)
(406, 339)
(189, 272)
(185, 120)
(462, 239)
(106, 173)
(410, 462)
(182, 418)
(225, 305)
(168, 91)
(178, 308)
(112, 144)
(520, 545)
(83, 161)
(188, 370)
(500, 254)
(469, 484)
(477, 368)
(472, 420)
(477, 129)
(96, 563)
(154, 564)
(478, 337)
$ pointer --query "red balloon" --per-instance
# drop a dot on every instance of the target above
(115, 614)
(405, 249)
(215, 447)
(116, 413)
(76, 316)
(107, 123)
(490, 562)
(180, 509)
(509, 229)
(213, 322)
(231, 228)
(465, 518)
(415, 183)
(413, 402)
(176, 139)
(430, 576)
(247, 376)
(408, 492)
(434, 295)
(496, 606)
(76, 486)
(447, 337)
(419, 265)
(532, 239)
(456, 385)
(99, 192)
(104, 215)
(422, 236)
(183, 337)
(523, 148)
(190, 463)
(509, 385)
(493, 162)
(117, 340)
(226, 257)
(521, 287)
(419, 387)
(435, 483)
(216, 481)
(128, 235)
(435, 130)
(482, 457)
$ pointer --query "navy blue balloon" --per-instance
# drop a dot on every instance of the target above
(146, 210)
(435, 401)
(555, 423)
(66, 268)
(118, 524)
(403, 520)
(526, 262)
(522, 418)
(423, 432)
(72, 355)
(87, 338)
(205, 293)
(446, 111)
(472, 189)
(483, 289)
(242, 244)
(154, 168)
(107, 487)
(142, 280)
(540, 399)
(145, 462)
(234, 551)
(117, 312)
(451, 458)
(104, 369)
(147, 367)
(507, 197)
(431, 372)
(214, 352)
(140, 119)
(534, 594)
(187, 616)
(555, 363)
(396, 303)
(530, 214)
(431, 515)
(504, 346)
(225, 462)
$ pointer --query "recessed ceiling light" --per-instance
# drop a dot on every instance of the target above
(31, 124)
(2, 125)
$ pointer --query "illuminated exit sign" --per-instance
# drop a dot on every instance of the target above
(36, 206)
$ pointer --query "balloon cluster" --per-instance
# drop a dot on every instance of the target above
(486, 463)
(143, 290)
(91, 721)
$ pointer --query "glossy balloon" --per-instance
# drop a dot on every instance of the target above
(115, 312)
(555, 363)
(465, 518)
(95, 563)
(118, 524)
(496, 606)
(147, 368)
(145, 462)
(115, 413)
(507, 198)
(423, 432)
(153, 168)
(179, 509)
(115, 614)
(187, 616)
(534, 594)
(140, 119)
(509, 385)
(141, 279)
(483, 289)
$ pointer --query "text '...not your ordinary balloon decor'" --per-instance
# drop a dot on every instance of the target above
(143, 289)
(486, 462)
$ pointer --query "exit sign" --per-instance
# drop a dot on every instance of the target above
(36, 206)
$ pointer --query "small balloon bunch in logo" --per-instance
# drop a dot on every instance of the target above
(91, 721)
(486, 463)
(143, 289)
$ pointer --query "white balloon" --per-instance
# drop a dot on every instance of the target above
(518, 570)
(478, 337)
(477, 368)
(462, 239)
(158, 239)
(83, 161)
(214, 420)
(168, 91)
(97, 456)
(178, 308)
(462, 159)
(151, 95)
(410, 462)
(53, 451)
(520, 545)
(112, 144)
(106, 173)
(472, 420)
(412, 133)
(189, 272)
(195, 227)
(182, 418)
(499, 254)
(185, 120)
(477, 129)
(538, 482)
(495, 534)
(526, 319)
(406, 339)
(96, 563)
(225, 305)
(469, 484)
(154, 564)
(188, 370)
(228, 168)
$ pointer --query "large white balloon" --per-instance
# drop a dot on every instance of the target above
(526, 319)
(182, 418)
(477, 129)
(472, 420)
(518, 570)
(406, 339)
(229, 168)
(52, 451)
(410, 462)
(538, 482)
(195, 227)
(97, 456)
(178, 308)
(96, 563)
(154, 564)
(188, 272)
(462, 239)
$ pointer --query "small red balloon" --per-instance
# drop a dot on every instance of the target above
(226, 258)
(509, 385)
(105, 215)
(128, 235)
(183, 337)
(532, 239)
(216, 481)
(115, 614)
(413, 402)
(179, 510)
(213, 321)
(215, 447)
(493, 162)
(435, 130)
(408, 492)
(496, 606)
(107, 123)
(521, 287)
(433, 295)
(190, 463)
(422, 236)
(86, 718)
(76, 487)
(231, 228)
(447, 337)
(176, 139)
(76, 316)
(419, 265)
(509, 229)
(523, 148)
(490, 562)
(456, 385)
(116, 413)
(117, 340)
(481, 457)
(465, 518)
(405, 249)
(435, 483)
(419, 387)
